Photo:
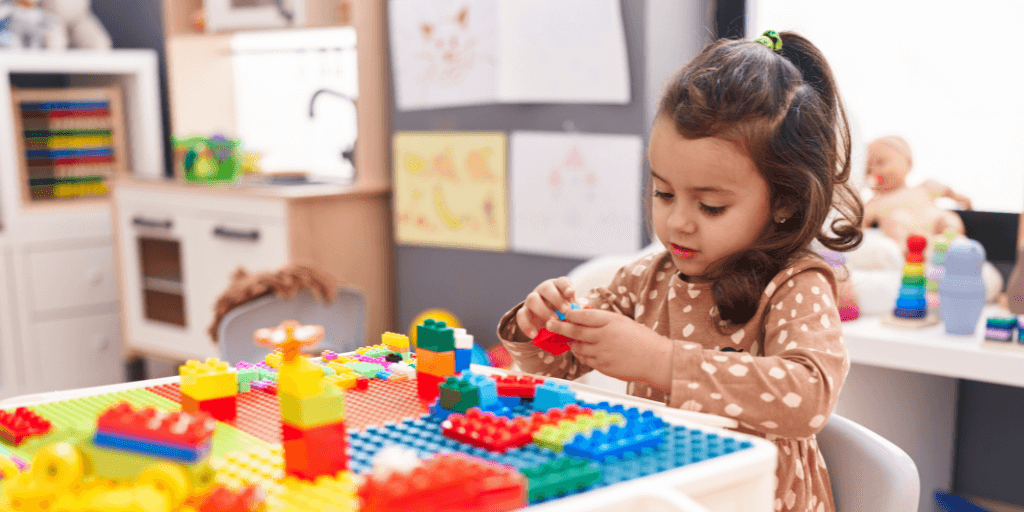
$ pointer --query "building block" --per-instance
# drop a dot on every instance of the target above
(458, 394)
(314, 411)
(343, 382)
(552, 395)
(301, 378)
(362, 383)
(463, 340)
(551, 342)
(435, 336)
(210, 379)
(427, 386)
(309, 453)
(333, 493)
(222, 409)
(440, 364)
(556, 436)
(522, 386)
(397, 342)
(246, 375)
(403, 369)
(163, 450)
(250, 499)
(486, 384)
(561, 476)
(463, 358)
(368, 370)
(617, 441)
(487, 431)
(177, 428)
(274, 359)
(21, 424)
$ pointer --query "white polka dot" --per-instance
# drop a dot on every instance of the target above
(767, 397)
(817, 421)
(660, 276)
(733, 410)
(604, 306)
(789, 272)
(624, 302)
(777, 373)
(691, 405)
(825, 321)
(708, 367)
(564, 363)
(790, 283)
(639, 269)
(689, 286)
(790, 498)
(792, 399)
(769, 424)
(737, 336)
(693, 385)
(826, 300)
(778, 305)
(693, 293)
(720, 359)
(812, 380)
(803, 327)
(799, 298)
(747, 358)
(714, 311)
(671, 293)
(822, 278)
(782, 336)
(785, 448)
(716, 396)
(782, 321)
(821, 507)
(632, 297)
(817, 307)
(548, 359)
(691, 346)
(799, 467)
(688, 308)
(631, 387)
(738, 370)
(688, 330)
(828, 378)
(639, 310)
(667, 264)
(622, 289)
(815, 290)
(770, 289)
(655, 326)
(791, 345)
(790, 366)
(792, 313)
(649, 392)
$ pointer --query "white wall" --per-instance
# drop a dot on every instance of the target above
(946, 77)
(676, 31)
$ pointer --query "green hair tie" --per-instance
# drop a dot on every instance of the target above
(771, 39)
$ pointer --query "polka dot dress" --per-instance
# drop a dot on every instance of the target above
(778, 375)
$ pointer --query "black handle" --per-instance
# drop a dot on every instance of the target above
(252, 235)
(149, 223)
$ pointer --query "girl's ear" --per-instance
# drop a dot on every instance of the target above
(782, 214)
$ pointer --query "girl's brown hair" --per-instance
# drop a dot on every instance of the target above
(783, 108)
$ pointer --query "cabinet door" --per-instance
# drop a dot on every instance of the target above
(8, 377)
(218, 245)
(68, 278)
(78, 352)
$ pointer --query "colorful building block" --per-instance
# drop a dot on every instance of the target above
(439, 364)
(180, 428)
(463, 340)
(210, 379)
(552, 395)
(222, 499)
(427, 386)
(463, 358)
(617, 441)
(435, 336)
(1000, 329)
(368, 370)
(310, 453)
(301, 378)
(163, 450)
(222, 409)
(315, 411)
(396, 342)
(488, 387)
(551, 342)
(21, 424)
(487, 431)
(556, 436)
(523, 386)
(458, 394)
(561, 476)
(246, 375)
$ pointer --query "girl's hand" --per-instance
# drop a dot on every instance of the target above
(617, 346)
(542, 302)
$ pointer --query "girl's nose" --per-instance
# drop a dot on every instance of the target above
(682, 220)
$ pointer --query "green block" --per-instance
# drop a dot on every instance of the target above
(435, 336)
(368, 370)
(267, 374)
(560, 476)
(449, 397)
(324, 409)
(328, 371)
(245, 378)
(461, 395)
(918, 281)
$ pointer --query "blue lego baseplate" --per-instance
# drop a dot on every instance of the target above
(682, 446)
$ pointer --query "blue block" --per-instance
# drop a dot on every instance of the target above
(909, 313)
(439, 412)
(911, 303)
(383, 375)
(916, 292)
(463, 358)
(618, 441)
(551, 395)
(510, 401)
(182, 453)
(498, 409)
(487, 385)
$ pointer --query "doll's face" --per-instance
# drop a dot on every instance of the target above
(887, 167)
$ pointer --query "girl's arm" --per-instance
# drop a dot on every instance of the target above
(792, 389)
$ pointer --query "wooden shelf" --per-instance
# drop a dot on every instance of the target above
(179, 15)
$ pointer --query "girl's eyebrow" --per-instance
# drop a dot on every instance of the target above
(710, 190)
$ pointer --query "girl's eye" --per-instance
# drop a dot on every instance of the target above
(712, 210)
(663, 195)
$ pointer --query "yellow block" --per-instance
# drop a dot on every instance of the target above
(913, 269)
(315, 411)
(341, 368)
(343, 380)
(396, 342)
(274, 359)
(300, 378)
(211, 379)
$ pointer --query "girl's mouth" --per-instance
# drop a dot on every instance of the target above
(683, 252)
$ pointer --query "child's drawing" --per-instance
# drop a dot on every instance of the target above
(450, 190)
(443, 52)
(575, 195)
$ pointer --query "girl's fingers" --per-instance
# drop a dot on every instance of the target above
(564, 286)
(525, 325)
(588, 317)
(554, 296)
(577, 332)
(538, 307)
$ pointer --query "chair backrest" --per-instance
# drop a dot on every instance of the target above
(344, 322)
(868, 472)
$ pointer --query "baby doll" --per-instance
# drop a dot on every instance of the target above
(899, 210)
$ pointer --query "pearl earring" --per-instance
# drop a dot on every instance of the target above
(782, 220)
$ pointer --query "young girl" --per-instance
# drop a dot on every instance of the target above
(737, 317)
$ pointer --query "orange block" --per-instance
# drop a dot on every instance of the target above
(438, 364)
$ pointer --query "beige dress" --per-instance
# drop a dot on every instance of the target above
(781, 384)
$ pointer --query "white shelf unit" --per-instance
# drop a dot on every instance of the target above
(59, 316)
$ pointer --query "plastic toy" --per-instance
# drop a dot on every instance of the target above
(25, 24)
(911, 302)
(849, 308)
(75, 26)
(962, 291)
(1000, 329)
(551, 395)
(551, 342)
(561, 476)
(936, 270)
(211, 386)
(207, 160)
(21, 424)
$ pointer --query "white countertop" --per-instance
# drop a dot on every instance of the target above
(931, 351)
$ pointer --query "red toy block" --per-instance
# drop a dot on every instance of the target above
(223, 409)
(362, 383)
(22, 423)
(427, 385)
(553, 416)
(316, 451)
(447, 483)
(523, 386)
(226, 500)
(488, 431)
(554, 343)
(182, 428)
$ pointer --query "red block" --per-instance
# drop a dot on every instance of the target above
(16, 426)
(523, 386)
(554, 343)
(362, 383)
(223, 409)
(488, 431)
(225, 500)
(182, 428)
(316, 451)
(427, 386)
(447, 483)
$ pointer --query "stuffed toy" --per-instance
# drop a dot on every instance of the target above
(77, 26)
(23, 24)
(899, 210)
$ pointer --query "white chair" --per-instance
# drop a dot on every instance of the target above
(344, 322)
(868, 472)
(597, 272)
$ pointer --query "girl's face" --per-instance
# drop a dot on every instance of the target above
(709, 200)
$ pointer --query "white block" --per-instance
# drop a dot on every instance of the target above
(463, 340)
